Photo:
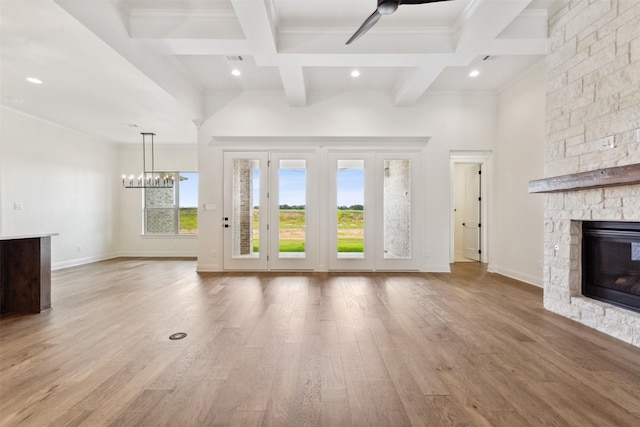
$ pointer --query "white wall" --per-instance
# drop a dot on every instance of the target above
(452, 121)
(517, 217)
(132, 242)
(65, 184)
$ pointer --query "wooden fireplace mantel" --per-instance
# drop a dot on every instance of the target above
(620, 175)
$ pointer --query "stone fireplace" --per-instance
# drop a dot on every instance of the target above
(593, 92)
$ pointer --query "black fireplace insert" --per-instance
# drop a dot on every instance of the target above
(611, 262)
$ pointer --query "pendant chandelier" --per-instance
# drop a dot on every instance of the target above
(148, 179)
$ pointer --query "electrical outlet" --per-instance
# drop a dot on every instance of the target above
(607, 143)
(18, 206)
(638, 135)
(79, 248)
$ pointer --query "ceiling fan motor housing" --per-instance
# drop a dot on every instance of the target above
(387, 7)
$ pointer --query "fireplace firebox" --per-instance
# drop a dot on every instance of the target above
(611, 262)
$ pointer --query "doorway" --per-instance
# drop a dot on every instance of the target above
(375, 203)
(270, 211)
(468, 207)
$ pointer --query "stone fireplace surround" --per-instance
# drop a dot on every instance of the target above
(565, 212)
(593, 92)
(608, 194)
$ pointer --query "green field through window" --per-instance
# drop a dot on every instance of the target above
(350, 230)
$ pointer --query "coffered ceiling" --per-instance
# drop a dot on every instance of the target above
(107, 65)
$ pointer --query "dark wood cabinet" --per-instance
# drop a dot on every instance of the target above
(25, 274)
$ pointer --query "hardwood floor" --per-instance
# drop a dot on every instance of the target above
(297, 349)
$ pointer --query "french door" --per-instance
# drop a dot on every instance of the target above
(374, 224)
(368, 218)
(270, 213)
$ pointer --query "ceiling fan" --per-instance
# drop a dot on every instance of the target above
(385, 7)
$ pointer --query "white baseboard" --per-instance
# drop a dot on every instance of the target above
(437, 268)
(81, 261)
(433, 268)
(523, 277)
(208, 268)
(164, 254)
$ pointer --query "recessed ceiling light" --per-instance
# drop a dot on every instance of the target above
(474, 73)
(355, 73)
(34, 80)
(236, 72)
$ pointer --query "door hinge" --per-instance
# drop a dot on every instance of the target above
(267, 226)
(479, 172)
(267, 257)
(479, 199)
(479, 225)
(479, 251)
(268, 163)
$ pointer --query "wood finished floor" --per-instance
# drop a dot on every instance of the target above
(294, 349)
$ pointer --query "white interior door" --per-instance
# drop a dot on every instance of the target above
(245, 217)
(471, 223)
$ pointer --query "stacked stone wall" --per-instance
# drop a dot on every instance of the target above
(593, 91)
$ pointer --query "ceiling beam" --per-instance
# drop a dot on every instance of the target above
(253, 17)
(483, 21)
(471, 39)
(409, 90)
(256, 22)
(294, 85)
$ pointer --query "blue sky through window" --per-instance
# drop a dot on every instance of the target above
(293, 182)
(350, 187)
(189, 190)
(292, 187)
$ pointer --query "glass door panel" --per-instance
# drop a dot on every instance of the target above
(292, 192)
(399, 233)
(350, 212)
(351, 236)
(396, 201)
(294, 220)
(245, 212)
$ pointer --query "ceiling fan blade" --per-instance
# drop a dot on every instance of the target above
(419, 1)
(366, 26)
